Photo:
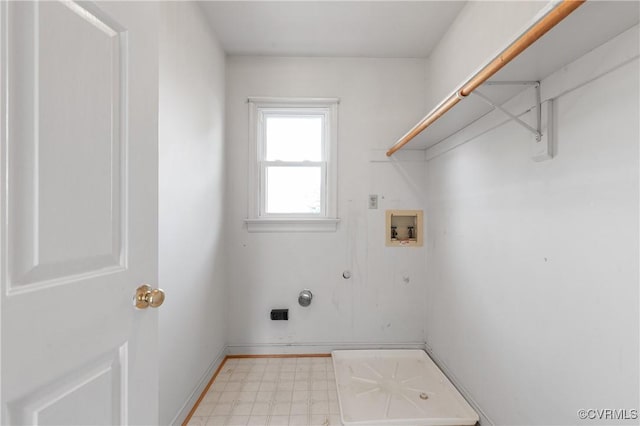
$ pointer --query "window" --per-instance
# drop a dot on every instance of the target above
(293, 164)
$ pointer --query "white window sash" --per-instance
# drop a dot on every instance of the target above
(311, 112)
(263, 187)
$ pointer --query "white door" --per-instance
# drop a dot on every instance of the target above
(78, 226)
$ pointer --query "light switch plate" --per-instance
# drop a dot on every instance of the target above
(373, 201)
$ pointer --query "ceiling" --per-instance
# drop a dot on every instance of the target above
(379, 29)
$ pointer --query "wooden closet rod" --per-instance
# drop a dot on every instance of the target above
(540, 28)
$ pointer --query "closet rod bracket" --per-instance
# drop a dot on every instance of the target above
(537, 131)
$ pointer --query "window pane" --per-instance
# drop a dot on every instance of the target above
(293, 189)
(294, 138)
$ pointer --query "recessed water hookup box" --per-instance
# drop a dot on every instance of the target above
(404, 228)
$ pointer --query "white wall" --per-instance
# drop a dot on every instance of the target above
(479, 32)
(192, 185)
(532, 299)
(380, 99)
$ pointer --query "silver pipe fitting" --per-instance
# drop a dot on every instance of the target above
(304, 298)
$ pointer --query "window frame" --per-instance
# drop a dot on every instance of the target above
(258, 219)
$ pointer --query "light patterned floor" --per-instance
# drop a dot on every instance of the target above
(271, 391)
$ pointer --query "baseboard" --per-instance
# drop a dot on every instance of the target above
(195, 395)
(313, 348)
(485, 420)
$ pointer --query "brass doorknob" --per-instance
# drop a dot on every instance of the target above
(147, 296)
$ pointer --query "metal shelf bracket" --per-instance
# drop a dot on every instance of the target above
(541, 148)
(537, 131)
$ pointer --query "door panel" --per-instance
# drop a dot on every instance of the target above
(68, 142)
(79, 212)
(64, 402)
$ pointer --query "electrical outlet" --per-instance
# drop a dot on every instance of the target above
(373, 201)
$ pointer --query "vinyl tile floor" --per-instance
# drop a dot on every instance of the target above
(271, 392)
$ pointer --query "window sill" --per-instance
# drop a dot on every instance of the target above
(292, 225)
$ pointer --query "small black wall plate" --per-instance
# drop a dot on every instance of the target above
(280, 314)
